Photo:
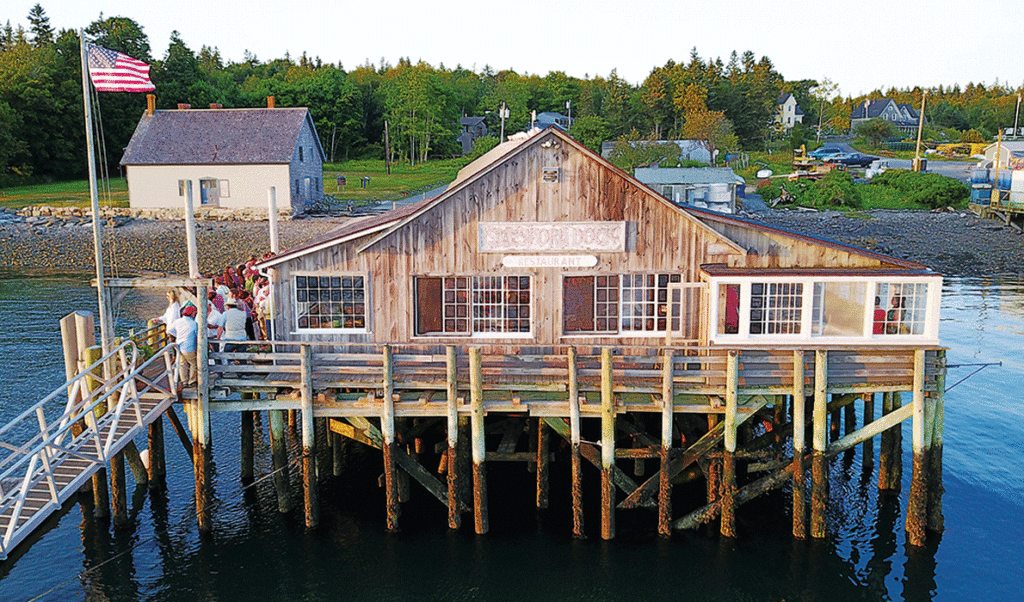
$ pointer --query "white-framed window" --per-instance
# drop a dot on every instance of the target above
(225, 189)
(480, 306)
(633, 304)
(883, 310)
(330, 301)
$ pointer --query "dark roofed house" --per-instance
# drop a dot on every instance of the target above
(903, 116)
(789, 113)
(232, 157)
(472, 128)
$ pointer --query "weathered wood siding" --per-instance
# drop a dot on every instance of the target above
(777, 250)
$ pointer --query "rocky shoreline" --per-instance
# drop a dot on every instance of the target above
(954, 243)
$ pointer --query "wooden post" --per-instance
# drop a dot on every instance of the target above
(311, 501)
(476, 384)
(201, 436)
(849, 419)
(799, 443)
(833, 423)
(279, 456)
(337, 455)
(248, 428)
(869, 446)
(819, 477)
(607, 446)
(387, 427)
(454, 497)
(118, 491)
(917, 501)
(936, 521)
(664, 484)
(890, 458)
(542, 464)
(574, 440)
(100, 489)
(728, 496)
(157, 461)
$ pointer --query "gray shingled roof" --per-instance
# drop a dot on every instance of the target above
(216, 136)
(687, 175)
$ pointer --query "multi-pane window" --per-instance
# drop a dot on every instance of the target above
(775, 307)
(900, 308)
(466, 305)
(616, 303)
(330, 302)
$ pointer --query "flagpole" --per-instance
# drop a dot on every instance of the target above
(106, 333)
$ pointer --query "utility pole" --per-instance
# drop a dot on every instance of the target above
(387, 149)
(503, 113)
(1016, 116)
(920, 126)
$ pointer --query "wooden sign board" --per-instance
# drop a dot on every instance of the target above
(552, 237)
(549, 261)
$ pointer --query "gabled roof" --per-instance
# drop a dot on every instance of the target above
(218, 137)
(391, 222)
(470, 120)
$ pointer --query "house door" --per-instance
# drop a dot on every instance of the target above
(686, 306)
(209, 194)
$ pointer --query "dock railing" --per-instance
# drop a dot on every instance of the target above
(697, 371)
(56, 444)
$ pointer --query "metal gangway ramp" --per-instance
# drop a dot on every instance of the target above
(51, 449)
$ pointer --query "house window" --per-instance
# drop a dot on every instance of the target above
(775, 307)
(630, 303)
(477, 305)
(729, 309)
(225, 189)
(300, 154)
(298, 190)
(330, 301)
(900, 308)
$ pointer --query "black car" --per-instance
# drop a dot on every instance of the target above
(853, 159)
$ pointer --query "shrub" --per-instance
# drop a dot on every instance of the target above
(928, 189)
(836, 189)
(481, 146)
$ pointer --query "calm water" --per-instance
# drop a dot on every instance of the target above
(255, 553)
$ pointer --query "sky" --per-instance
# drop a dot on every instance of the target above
(861, 46)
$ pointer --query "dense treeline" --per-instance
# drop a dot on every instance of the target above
(728, 105)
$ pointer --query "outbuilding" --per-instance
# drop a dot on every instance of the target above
(230, 157)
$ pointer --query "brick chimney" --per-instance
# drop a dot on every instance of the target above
(150, 104)
(183, 106)
(270, 102)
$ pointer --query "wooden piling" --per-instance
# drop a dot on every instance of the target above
(542, 464)
(248, 431)
(936, 521)
(819, 477)
(480, 518)
(337, 454)
(799, 443)
(100, 489)
(833, 424)
(389, 450)
(868, 453)
(890, 457)
(664, 484)
(607, 446)
(728, 495)
(574, 440)
(157, 460)
(201, 436)
(310, 497)
(454, 496)
(849, 419)
(118, 491)
(279, 458)
(917, 501)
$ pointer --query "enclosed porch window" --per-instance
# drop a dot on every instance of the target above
(617, 303)
(880, 310)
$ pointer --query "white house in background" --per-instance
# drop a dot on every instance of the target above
(789, 113)
(711, 188)
(231, 156)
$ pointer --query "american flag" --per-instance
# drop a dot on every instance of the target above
(112, 71)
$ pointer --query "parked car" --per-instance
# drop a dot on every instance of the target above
(853, 159)
(825, 152)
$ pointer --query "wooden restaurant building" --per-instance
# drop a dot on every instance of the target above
(547, 289)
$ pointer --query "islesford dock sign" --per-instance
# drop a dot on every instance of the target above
(552, 237)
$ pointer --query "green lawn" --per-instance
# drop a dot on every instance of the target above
(74, 193)
(403, 180)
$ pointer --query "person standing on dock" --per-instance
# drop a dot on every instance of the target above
(233, 328)
(184, 331)
(173, 311)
